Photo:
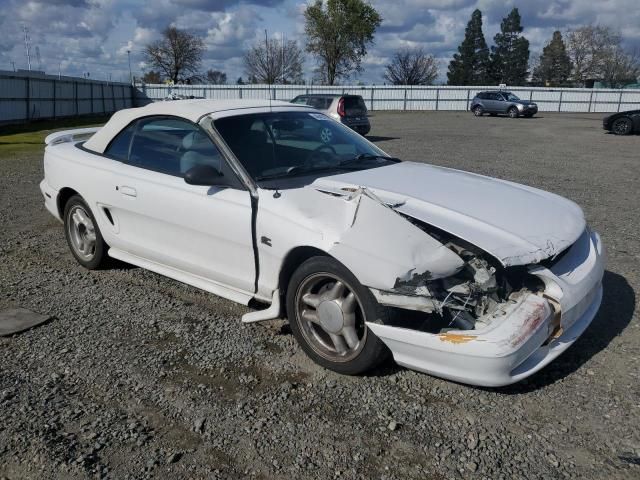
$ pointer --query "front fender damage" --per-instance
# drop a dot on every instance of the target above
(412, 266)
(385, 251)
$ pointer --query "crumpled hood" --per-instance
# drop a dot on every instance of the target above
(518, 225)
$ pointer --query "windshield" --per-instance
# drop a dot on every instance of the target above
(510, 97)
(286, 144)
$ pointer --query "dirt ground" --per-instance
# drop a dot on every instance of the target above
(139, 376)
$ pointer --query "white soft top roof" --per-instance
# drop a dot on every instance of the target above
(192, 110)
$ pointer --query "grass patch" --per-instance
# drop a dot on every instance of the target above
(29, 138)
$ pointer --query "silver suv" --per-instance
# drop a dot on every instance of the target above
(501, 102)
(347, 109)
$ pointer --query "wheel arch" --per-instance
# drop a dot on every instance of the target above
(294, 258)
(63, 197)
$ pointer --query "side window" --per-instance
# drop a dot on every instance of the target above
(172, 146)
(119, 146)
(300, 100)
(318, 102)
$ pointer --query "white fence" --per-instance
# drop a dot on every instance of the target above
(24, 98)
(411, 98)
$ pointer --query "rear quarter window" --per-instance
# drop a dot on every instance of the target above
(119, 146)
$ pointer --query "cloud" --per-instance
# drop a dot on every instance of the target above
(94, 35)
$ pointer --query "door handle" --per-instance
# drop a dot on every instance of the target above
(129, 191)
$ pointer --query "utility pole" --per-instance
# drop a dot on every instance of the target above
(26, 45)
(38, 57)
(266, 46)
(283, 58)
(13, 64)
(130, 75)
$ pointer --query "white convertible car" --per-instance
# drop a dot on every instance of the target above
(465, 277)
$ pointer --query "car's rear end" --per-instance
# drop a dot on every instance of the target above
(57, 154)
(352, 112)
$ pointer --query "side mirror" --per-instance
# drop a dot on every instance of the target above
(204, 175)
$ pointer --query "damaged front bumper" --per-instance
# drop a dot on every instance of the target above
(523, 336)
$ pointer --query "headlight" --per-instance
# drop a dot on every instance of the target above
(520, 106)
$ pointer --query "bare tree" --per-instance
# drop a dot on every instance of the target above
(177, 54)
(216, 77)
(596, 53)
(620, 67)
(412, 67)
(274, 61)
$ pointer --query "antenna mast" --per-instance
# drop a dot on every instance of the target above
(27, 46)
(268, 70)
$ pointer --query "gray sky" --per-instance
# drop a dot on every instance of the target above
(93, 35)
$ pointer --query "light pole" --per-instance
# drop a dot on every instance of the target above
(129, 58)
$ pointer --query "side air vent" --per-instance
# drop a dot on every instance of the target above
(108, 215)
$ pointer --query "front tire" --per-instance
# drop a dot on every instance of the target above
(327, 308)
(477, 111)
(622, 126)
(513, 112)
(83, 235)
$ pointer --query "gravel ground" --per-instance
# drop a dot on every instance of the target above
(138, 376)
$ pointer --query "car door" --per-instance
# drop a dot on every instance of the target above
(491, 102)
(501, 104)
(200, 230)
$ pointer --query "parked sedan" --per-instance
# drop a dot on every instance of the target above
(623, 123)
(462, 276)
(501, 102)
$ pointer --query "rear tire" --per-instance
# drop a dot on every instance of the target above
(622, 126)
(513, 112)
(327, 308)
(83, 234)
(477, 111)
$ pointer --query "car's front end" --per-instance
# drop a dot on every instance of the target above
(522, 334)
(524, 283)
(526, 108)
(606, 122)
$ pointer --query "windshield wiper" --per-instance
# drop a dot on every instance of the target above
(368, 156)
(300, 170)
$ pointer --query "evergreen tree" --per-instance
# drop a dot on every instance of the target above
(470, 66)
(555, 66)
(510, 55)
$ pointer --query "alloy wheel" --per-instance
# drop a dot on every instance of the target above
(622, 126)
(82, 233)
(331, 317)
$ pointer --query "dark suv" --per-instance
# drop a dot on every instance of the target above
(347, 109)
(495, 102)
